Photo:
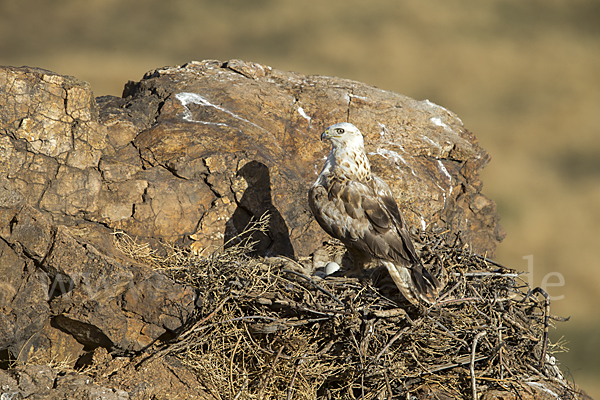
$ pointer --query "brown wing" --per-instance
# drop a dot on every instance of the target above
(364, 217)
(402, 245)
(341, 219)
(424, 284)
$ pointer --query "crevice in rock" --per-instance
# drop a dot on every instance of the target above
(175, 373)
(142, 160)
(89, 218)
(145, 161)
(48, 185)
(12, 224)
(350, 94)
(145, 194)
(133, 210)
(173, 171)
(60, 284)
(22, 249)
(211, 187)
(154, 91)
(158, 111)
(6, 359)
(165, 337)
(86, 334)
(72, 138)
(225, 65)
(86, 359)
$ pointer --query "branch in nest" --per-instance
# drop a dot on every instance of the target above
(472, 364)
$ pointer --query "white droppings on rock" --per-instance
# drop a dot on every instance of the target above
(194, 98)
(433, 105)
(390, 154)
(445, 171)
(383, 129)
(446, 192)
(427, 139)
(438, 121)
(358, 97)
(303, 114)
(395, 145)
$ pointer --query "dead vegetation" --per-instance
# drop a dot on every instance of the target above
(266, 330)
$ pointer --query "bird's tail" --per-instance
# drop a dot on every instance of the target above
(426, 285)
(415, 283)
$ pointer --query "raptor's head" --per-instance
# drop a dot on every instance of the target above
(343, 135)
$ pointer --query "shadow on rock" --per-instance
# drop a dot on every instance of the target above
(255, 201)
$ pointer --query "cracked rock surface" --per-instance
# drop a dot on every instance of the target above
(190, 155)
(249, 136)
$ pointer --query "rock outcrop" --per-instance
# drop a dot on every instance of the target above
(189, 155)
(41, 382)
(200, 149)
(246, 138)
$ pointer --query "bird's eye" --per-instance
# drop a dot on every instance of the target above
(339, 130)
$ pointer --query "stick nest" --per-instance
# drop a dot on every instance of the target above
(266, 329)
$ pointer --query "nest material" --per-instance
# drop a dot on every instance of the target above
(265, 330)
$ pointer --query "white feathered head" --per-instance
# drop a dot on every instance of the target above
(343, 135)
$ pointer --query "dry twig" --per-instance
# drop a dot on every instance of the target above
(349, 339)
(472, 363)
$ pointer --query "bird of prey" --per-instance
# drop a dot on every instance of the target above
(356, 207)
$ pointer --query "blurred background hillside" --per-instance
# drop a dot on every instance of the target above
(524, 76)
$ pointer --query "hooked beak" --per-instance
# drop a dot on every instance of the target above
(325, 135)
